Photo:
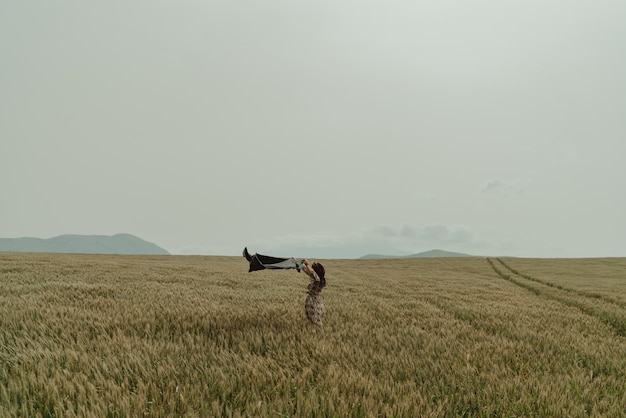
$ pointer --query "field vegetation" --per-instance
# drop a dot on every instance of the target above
(102, 335)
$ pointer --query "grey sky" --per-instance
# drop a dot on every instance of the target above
(321, 129)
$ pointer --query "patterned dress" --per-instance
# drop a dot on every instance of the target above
(313, 306)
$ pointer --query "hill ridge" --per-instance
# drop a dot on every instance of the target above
(425, 254)
(122, 243)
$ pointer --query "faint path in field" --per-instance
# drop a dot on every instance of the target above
(591, 295)
(589, 303)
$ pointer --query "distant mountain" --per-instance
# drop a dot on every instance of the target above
(425, 254)
(88, 244)
(438, 253)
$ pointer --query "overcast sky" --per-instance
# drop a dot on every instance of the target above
(317, 128)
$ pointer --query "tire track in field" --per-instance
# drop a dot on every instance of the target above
(582, 293)
(584, 301)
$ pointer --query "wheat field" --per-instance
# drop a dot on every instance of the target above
(117, 336)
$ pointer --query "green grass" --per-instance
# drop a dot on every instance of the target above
(89, 335)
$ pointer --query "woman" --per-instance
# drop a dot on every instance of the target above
(313, 305)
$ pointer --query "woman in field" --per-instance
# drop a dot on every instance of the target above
(313, 305)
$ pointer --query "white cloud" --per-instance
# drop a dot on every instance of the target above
(497, 187)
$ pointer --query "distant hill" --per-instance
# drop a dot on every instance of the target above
(425, 254)
(438, 253)
(88, 244)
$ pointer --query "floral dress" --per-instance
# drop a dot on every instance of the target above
(313, 305)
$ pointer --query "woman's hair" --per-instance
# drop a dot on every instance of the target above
(321, 272)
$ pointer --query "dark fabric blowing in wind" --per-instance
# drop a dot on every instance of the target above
(262, 262)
